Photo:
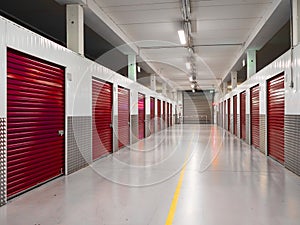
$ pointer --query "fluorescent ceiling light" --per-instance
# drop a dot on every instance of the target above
(182, 38)
(138, 69)
(244, 62)
(188, 65)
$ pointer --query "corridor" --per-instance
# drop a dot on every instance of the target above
(186, 174)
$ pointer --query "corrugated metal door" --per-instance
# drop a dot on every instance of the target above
(158, 115)
(197, 107)
(221, 114)
(224, 114)
(168, 114)
(228, 114)
(102, 118)
(35, 122)
(235, 115)
(275, 131)
(171, 112)
(164, 114)
(141, 114)
(123, 116)
(152, 114)
(243, 115)
(254, 96)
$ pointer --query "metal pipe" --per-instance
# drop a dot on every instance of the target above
(292, 41)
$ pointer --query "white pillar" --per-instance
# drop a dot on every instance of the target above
(174, 95)
(164, 89)
(132, 67)
(75, 28)
(153, 82)
(295, 19)
(251, 62)
(225, 87)
(233, 79)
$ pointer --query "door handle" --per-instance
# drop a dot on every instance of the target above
(61, 132)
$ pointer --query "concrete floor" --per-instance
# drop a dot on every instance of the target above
(224, 182)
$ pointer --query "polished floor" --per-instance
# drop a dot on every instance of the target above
(187, 174)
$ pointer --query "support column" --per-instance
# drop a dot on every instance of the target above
(225, 88)
(233, 79)
(164, 89)
(251, 62)
(153, 82)
(75, 28)
(174, 95)
(132, 67)
(295, 21)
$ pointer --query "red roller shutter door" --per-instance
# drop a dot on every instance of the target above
(235, 115)
(254, 95)
(164, 114)
(102, 118)
(123, 116)
(171, 112)
(224, 114)
(152, 114)
(141, 114)
(168, 114)
(276, 118)
(243, 115)
(35, 117)
(158, 115)
(228, 114)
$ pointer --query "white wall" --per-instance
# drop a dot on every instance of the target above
(282, 64)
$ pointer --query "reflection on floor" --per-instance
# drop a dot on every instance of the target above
(225, 182)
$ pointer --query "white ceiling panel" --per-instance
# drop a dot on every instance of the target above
(153, 24)
(121, 3)
(146, 16)
(236, 11)
(153, 31)
(225, 24)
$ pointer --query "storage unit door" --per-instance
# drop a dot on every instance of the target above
(164, 114)
(228, 114)
(158, 115)
(171, 112)
(243, 115)
(152, 114)
(276, 118)
(221, 114)
(235, 115)
(197, 107)
(123, 117)
(254, 92)
(141, 115)
(102, 118)
(35, 122)
(168, 114)
(224, 115)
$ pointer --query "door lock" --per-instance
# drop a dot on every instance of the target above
(61, 132)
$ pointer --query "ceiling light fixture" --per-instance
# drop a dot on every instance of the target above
(188, 65)
(244, 62)
(138, 69)
(182, 37)
(193, 90)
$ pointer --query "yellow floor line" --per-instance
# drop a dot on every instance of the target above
(173, 206)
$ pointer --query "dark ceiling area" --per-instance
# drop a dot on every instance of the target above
(48, 18)
(45, 17)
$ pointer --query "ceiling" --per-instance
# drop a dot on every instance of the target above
(220, 28)
(221, 31)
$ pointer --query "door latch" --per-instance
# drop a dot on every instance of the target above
(61, 132)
